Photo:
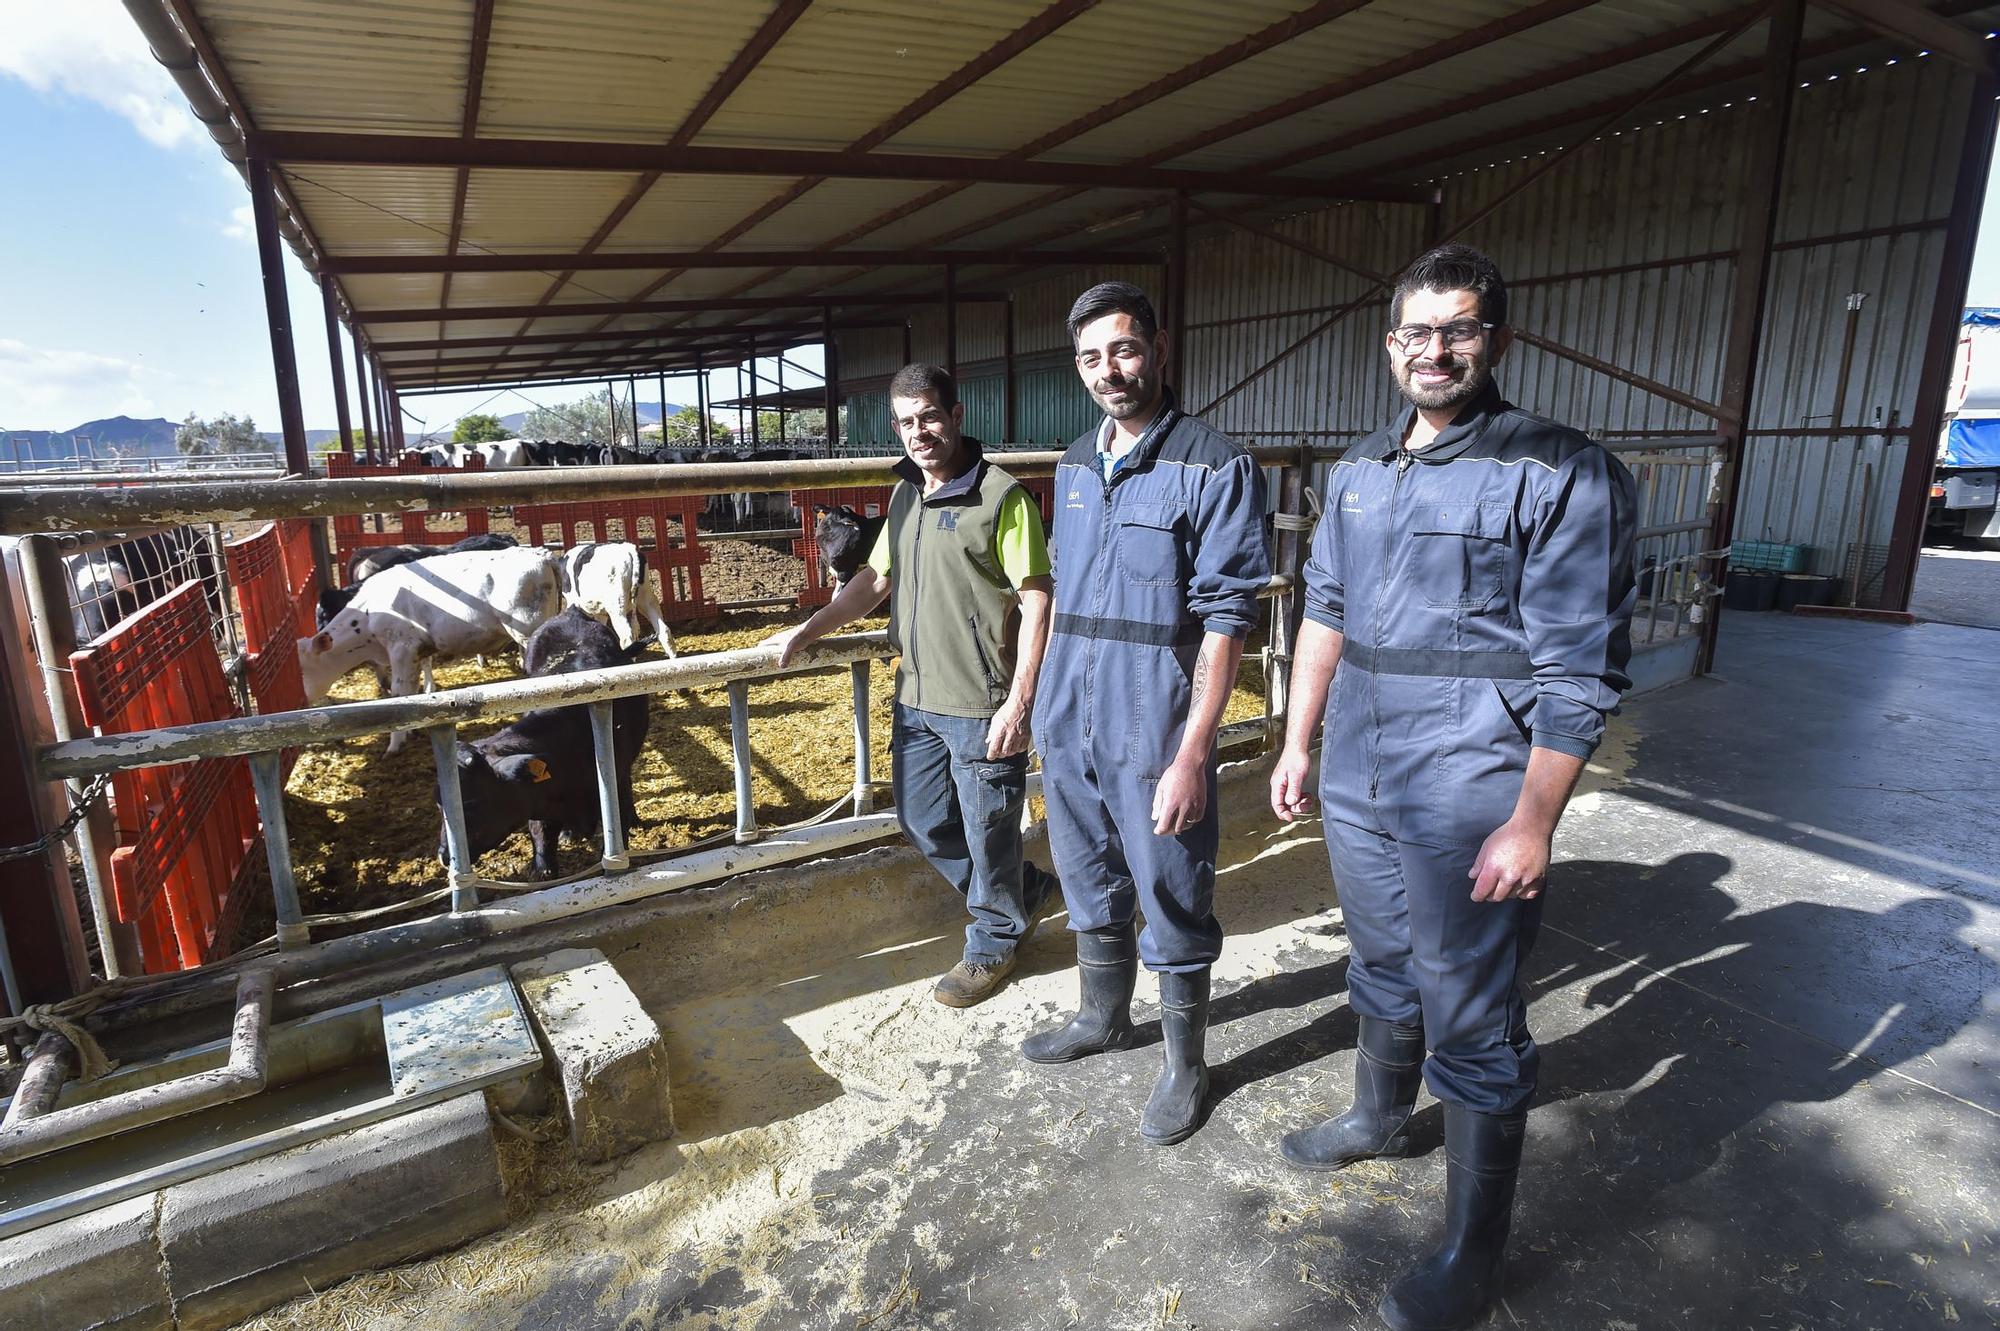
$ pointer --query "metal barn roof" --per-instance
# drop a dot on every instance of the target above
(505, 190)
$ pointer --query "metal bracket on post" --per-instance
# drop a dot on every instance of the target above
(864, 782)
(614, 858)
(267, 776)
(739, 753)
(457, 845)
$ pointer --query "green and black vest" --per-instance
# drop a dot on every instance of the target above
(952, 613)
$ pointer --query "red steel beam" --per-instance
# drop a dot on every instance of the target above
(775, 25)
(1034, 30)
(626, 260)
(686, 333)
(1961, 239)
(1760, 185)
(695, 305)
(1213, 63)
(341, 149)
(1903, 21)
(475, 80)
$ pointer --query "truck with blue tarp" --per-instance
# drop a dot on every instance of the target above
(1965, 492)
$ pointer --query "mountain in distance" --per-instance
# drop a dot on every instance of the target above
(112, 436)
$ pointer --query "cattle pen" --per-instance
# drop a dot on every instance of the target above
(693, 1078)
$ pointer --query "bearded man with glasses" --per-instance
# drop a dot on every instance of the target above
(1468, 607)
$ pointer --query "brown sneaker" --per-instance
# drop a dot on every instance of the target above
(968, 982)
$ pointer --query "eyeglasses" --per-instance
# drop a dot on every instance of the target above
(1458, 335)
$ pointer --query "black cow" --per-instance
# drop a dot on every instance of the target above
(541, 771)
(845, 537)
(109, 584)
(365, 564)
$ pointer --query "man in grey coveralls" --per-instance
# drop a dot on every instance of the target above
(1468, 605)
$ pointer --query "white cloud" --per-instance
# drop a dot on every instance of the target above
(91, 49)
(240, 225)
(60, 389)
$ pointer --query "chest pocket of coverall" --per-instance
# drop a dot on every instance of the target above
(1149, 553)
(1458, 554)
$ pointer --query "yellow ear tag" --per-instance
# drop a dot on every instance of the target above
(538, 769)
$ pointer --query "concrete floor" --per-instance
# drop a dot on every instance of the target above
(1958, 586)
(1766, 996)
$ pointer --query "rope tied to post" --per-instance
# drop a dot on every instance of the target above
(92, 1061)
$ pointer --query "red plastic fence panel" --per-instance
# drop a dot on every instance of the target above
(673, 557)
(295, 542)
(185, 831)
(435, 527)
(868, 500)
(258, 569)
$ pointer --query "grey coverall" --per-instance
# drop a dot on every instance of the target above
(1171, 548)
(1484, 589)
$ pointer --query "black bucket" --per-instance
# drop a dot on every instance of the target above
(1797, 589)
(1750, 589)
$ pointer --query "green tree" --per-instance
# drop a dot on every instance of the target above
(227, 433)
(683, 430)
(478, 428)
(587, 420)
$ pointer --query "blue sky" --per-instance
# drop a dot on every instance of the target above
(128, 275)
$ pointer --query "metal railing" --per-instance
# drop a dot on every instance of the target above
(1676, 477)
(75, 469)
(619, 875)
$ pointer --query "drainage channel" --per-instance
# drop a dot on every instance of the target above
(324, 1074)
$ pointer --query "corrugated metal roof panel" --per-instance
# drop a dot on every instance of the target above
(614, 70)
(378, 66)
(375, 210)
(843, 69)
(1104, 54)
(535, 211)
(830, 208)
(688, 212)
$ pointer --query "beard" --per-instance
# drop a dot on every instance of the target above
(1128, 397)
(1468, 376)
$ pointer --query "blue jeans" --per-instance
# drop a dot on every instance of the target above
(963, 814)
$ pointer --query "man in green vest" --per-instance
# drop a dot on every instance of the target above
(965, 568)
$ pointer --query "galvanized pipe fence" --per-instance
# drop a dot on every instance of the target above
(1671, 494)
(78, 757)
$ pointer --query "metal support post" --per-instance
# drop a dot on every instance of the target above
(611, 818)
(1286, 608)
(363, 391)
(1961, 237)
(1010, 420)
(340, 417)
(739, 753)
(55, 639)
(278, 314)
(951, 320)
(1177, 285)
(864, 780)
(1763, 175)
(457, 844)
(267, 776)
(830, 374)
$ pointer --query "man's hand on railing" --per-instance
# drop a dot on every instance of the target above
(789, 642)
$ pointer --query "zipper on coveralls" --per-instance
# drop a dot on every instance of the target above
(1403, 460)
(916, 554)
(1105, 556)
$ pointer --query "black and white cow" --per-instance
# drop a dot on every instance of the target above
(845, 537)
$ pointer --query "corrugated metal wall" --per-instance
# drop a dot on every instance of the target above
(1869, 153)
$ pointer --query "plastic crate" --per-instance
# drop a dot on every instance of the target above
(1769, 556)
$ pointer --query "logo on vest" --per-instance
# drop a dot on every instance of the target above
(947, 519)
(1350, 502)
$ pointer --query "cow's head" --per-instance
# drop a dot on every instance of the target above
(499, 795)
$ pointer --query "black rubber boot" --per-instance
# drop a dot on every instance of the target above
(1388, 1070)
(1457, 1283)
(1107, 967)
(1174, 1111)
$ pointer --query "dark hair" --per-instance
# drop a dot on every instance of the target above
(1454, 268)
(920, 380)
(1112, 298)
